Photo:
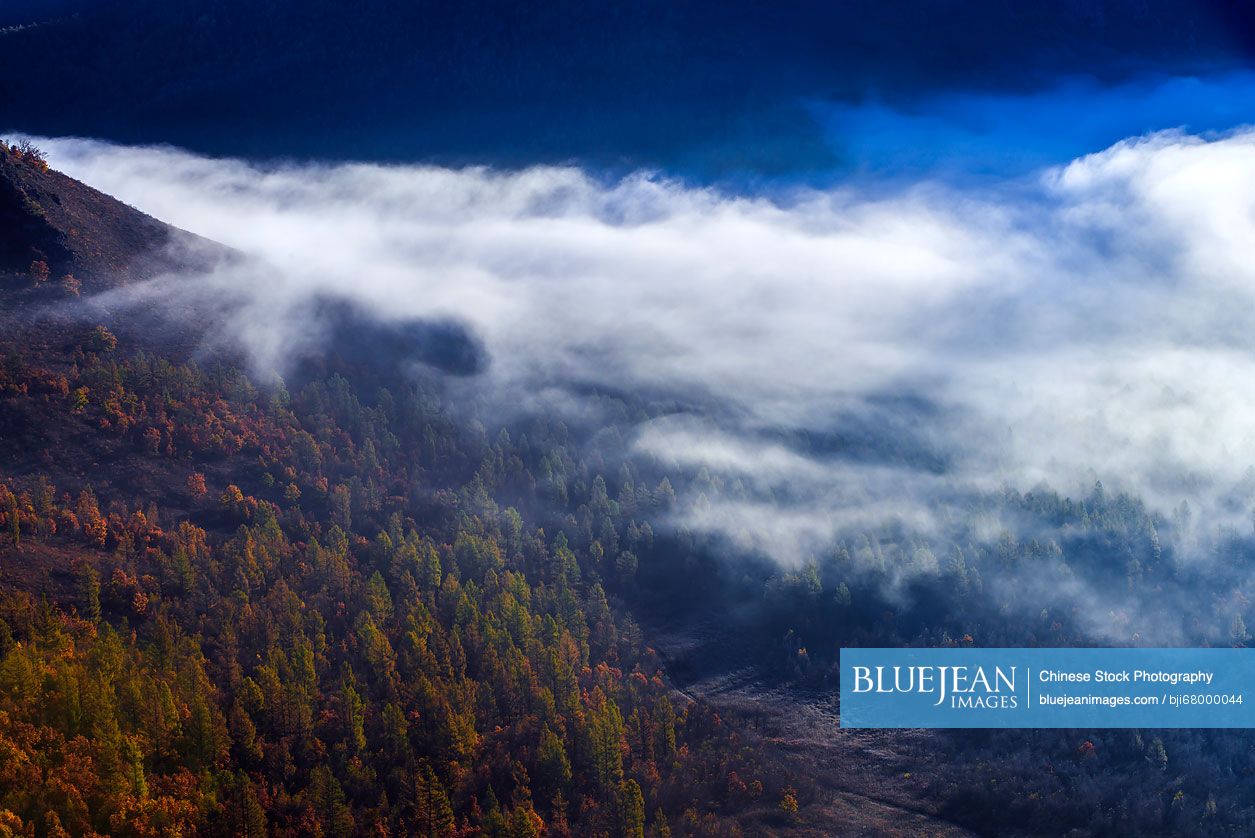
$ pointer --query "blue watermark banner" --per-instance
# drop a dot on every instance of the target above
(1048, 688)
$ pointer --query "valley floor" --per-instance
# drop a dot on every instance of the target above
(865, 782)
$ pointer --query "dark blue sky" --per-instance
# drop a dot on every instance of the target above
(732, 89)
(999, 134)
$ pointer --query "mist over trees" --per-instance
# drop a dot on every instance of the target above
(379, 543)
(308, 614)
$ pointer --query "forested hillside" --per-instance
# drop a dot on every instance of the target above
(357, 600)
(241, 607)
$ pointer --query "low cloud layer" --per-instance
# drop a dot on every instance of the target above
(850, 356)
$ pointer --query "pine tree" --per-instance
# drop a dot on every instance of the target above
(89, 592)
(553, 768)
(14, 520)
(631, 810)
(433, 816)
(661, 827)
(354, 714)
(328, 801)
(607, 740)
(247, 813)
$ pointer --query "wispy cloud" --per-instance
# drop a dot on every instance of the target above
(850, 355)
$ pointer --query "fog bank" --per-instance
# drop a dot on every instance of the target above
(847, 356)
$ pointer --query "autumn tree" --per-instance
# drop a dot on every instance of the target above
(12, 515)
(100, 339)
(90, 521)
(38, 271)
(788, 803)
(32, 154)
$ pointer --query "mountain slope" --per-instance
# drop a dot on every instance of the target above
(227, 608)
(52, 226)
